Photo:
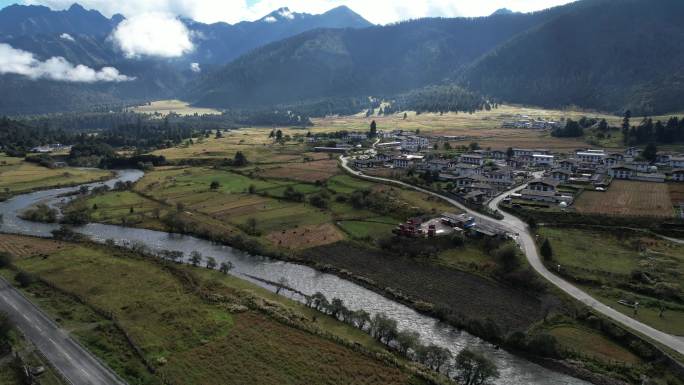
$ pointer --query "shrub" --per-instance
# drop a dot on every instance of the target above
(25, 279)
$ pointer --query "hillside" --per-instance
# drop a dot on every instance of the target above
(370, 61)
(613, 56)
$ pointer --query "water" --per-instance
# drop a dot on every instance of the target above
(514, 370)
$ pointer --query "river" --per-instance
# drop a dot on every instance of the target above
(514, 370)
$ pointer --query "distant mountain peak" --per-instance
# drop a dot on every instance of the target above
(76, 7)
(502, 11)
(280, 14)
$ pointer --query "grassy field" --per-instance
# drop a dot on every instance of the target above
(628, 198)
(589, 342)
(17, 176)
(165, 107)
(191, 340)
(617, 266)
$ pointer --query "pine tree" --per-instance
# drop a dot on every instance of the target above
(546, 250)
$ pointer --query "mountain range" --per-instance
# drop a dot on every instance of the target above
(609, 55)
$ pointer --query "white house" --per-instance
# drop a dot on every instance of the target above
(622, 172)
(593, 157)
(676, 162)
(473, 159)
(542, 160)
(414, 143)
(678, 175)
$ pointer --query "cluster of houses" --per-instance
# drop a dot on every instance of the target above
(49, 148)
(524, 121)
(482, 174)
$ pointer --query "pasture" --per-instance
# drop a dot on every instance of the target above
(628, 198)
(17, 176)
(165, 107)
(190, 339)
(618, 265)
(589, 342)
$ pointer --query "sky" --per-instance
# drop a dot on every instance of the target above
(232, 11)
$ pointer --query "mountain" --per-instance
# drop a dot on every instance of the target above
(83, 37)
(223, 42)
(355, 62)
(502, 11)
(612, 55)
(20, 20)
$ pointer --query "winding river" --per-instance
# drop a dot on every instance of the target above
(514, 370)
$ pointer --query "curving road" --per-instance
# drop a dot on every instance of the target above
(514, 225)
(71, 360)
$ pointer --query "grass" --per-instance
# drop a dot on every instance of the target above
(165, 107)
(589, 342)
(367, 229)
(628, 198)
(19, 176)
(611, 266)
(190, 340)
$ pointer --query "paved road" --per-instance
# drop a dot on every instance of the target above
(512, 224)
(76, 364)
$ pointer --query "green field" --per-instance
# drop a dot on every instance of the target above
(190, 339)
(625, 266)
(18, 176)
(589, 342)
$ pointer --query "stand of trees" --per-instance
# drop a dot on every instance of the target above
(649, 131)
(468, 367)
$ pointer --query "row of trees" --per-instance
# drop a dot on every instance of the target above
(468, 367)
(196, 259)
(649, 131)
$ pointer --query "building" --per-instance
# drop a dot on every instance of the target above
(678, 175)
(561, 176)
(498, 155)
(568, 165)
(540, 160)
(478, 160)
(676, 162)
(622, 172)
(529, 152)
(543, 185)
(592, 156)
(414, 143)
(462, 169)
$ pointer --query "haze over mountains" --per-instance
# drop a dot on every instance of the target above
(601, 54)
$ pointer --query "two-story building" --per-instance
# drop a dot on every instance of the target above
(678, 175)
(475, 159)
(591, 156)
(540, 160)
(622, 172)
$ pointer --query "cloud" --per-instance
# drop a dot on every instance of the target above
(153, 34)
(19, 62)
(377, 11)
(66, 36)
(195, 67)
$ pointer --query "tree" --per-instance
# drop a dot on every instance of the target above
(226, 267)
(336, 307)
(407, 340)
(626, 125)
(474, 369)
(373, 130)
(405, 115)
(507, 257)
(5, 260)
(603, 125)
(25, 279)
(279, 135)
(546, 250)
(510, 153)
(433, 356)
(282, 284)
(361, 318)
(195, 258)
(211, 263)
(650, 153)
(252, 225)
(240, 159)
(383, 328)
(474, 146)
(215, 185)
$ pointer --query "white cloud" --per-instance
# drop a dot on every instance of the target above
(377, 11)
(195, 67)
(153, 34)
(19, 62)
(66, 36)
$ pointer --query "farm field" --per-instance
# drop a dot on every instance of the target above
(624, 266)
(17, 176)
(628, 198)
(190, 339)
(676, 193)
(165, 107)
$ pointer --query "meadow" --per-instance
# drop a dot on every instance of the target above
(165, 107)
(190, 339)
(624, 266)
(18, 176)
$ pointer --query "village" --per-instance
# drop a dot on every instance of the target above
(528, 177)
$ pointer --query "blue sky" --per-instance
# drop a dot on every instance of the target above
(377, 11)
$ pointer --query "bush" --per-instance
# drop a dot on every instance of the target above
(25, 279)
(5, 260)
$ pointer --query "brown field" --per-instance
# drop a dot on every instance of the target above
(676, 193)
(165, 107)
(627, 198)
(305, 172)
(25, 247)
(306, 237)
